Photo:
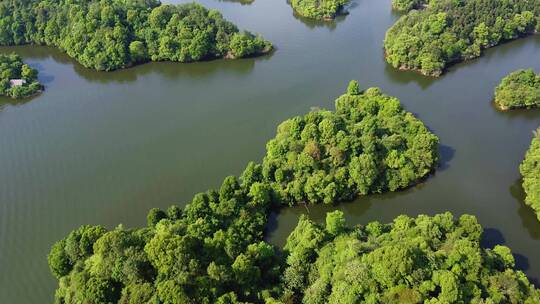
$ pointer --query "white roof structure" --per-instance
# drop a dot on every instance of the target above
(16, 82)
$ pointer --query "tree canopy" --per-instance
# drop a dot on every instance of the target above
(411, 260)
(368, 145)
(318, 9)
(12, 68)
(112, 34)
(449, 31)
(407, 5)
(520, 89)
(211, 251)
(530, 170)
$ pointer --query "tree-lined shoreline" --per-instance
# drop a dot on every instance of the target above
(114, 34)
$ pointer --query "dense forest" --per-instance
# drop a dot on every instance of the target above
(411, 260)
(530, 170)
(318, 9)
(17, 79)
(212, 251)
(520, 89)
(449, 31)
(368, 145)
(113, 34)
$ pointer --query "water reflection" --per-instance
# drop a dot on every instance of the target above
(170, 70)
(7, 101)
(330, 24)
(314, 23)
(406, 77)
(527, 114)
(528, 218)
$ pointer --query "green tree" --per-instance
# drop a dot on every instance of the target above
(335, 222)
(353, 88)
(154, 216)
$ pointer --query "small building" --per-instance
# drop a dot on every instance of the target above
(17, 82)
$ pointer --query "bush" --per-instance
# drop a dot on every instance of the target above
(318, 9)
(520, 89)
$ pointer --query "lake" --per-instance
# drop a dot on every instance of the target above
(104, 148)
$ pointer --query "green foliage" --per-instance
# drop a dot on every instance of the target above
(407, 5)
(368, 145)
(412, 260)
(318, 9)
(13, 68)
(211, 252)
(449, 31)
(154, 216)
(530, 170)
(335, 222)
(520, 89)
(245, 44)
(353, 88)
(76, 247)
(113, 34)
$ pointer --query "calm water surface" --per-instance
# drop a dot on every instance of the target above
(103, 148)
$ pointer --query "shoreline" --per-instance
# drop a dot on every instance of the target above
(449, 64)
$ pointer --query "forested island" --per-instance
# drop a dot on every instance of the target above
(520, 89)
(450, 31)
(113, 34)
(411, 260)
(318, 9)
(212, 251)
(17, 79)
(368, 145)
(530, 171)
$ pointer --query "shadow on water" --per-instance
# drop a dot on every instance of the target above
(170, 70)
(43, 77)
(446, 155)
(528, 218)
(492, 237)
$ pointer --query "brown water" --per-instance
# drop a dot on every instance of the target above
(103, 148)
